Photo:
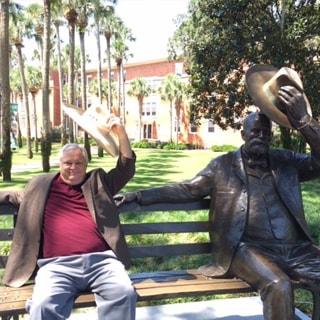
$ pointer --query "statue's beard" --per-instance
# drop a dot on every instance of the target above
(257, 149)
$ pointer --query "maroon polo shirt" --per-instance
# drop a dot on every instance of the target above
(68, 227)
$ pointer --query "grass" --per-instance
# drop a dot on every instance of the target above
(155, 168)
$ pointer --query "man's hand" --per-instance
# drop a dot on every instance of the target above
(296, 107)
(127, 197)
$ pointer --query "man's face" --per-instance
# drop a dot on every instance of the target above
(73, 167)
(257, 135)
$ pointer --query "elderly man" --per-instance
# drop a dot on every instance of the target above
(258, 229)
(68, 234)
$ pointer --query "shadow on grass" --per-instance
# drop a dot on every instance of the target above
(20, 179)
(154, 169)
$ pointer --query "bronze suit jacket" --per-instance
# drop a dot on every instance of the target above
(98, 189)
(224, 181)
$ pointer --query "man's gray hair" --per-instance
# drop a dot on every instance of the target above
(73, 146)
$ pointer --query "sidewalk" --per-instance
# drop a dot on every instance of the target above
(249, 308)
(32, 166)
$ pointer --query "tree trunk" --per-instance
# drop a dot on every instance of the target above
(99, 69)
(33, 93)
(25, 98)
(5, 123)
(140, 117)
(118, 107)
(84, 88)
(71, 17)
(177, 107)
(62, 114)
(46, 133)
(109, 73)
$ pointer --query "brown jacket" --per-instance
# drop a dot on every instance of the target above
(98, 189)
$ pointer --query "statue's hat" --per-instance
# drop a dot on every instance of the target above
(263, 83)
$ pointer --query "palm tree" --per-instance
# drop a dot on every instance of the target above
(40, 17)
(98, 10)
(172, 90)
(120, 49)
(82, 23)
(6, 158)
(94, 89)
(140, 89)
(34, 80)
(20, 27)
(16, 92)
(102, 15)
(34, 13)
(46, 128)
(179, 94)
(57, 22)
(108, 27)
(71, 15)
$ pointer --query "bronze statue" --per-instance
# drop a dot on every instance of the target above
(258, 229)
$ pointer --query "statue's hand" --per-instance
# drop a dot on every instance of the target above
(296, 107)
(127, 197)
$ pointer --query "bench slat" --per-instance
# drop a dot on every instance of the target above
(6, 234)
(203, 204)
(167, 227)
(192, 289)
(7, 209)
(3, 261)
(172, 250)
(159, 285)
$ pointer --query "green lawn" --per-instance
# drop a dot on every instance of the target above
(158, 167)
(154, 167)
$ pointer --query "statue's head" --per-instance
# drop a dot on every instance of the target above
(256, 134)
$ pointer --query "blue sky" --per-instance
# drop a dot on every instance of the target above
(152, 24)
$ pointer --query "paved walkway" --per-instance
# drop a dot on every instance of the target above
(25, 167)
(223, 309)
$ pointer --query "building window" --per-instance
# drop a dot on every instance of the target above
(193, 128)
(178, 69)
(149, 109)
(147, 131)
(154, 83)
(210, 126)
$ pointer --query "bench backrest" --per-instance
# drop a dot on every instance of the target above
(138, 249)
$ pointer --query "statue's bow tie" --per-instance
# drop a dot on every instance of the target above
(258, 163)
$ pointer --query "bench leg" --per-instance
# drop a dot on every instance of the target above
(316, 305)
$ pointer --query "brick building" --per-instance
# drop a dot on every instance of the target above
(155, 115)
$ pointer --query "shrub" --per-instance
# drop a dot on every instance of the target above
(174, 146)
(223, 148)
(144, 145)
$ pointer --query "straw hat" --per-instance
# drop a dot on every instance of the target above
(93, 122)
(263, 83)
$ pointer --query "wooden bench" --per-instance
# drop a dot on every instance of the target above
(156, 285)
